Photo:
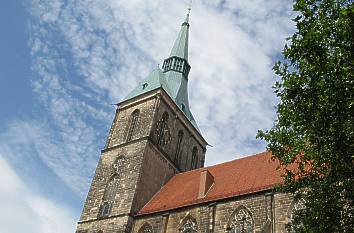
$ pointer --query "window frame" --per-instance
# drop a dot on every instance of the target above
(233, 218)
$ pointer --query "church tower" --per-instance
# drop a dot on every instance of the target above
(153, 136)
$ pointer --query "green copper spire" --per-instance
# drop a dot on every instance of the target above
(173, 77)
(180, 47)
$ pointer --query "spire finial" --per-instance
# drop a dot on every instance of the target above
(186, 21)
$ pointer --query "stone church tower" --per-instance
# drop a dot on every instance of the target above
(153, 137)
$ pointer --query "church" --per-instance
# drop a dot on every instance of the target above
(151, 176)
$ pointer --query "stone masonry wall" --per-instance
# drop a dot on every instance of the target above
(121, 122)
(283, 208)
(128, 180)
(109, 225)
(189, 141)
(262, 206)
(156, 171)
(256, 204)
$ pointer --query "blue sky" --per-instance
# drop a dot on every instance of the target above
(64, 62)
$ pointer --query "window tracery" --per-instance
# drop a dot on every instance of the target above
(296, 206)
(178, 147)
(189, 226)
(146, 228)
(162, 130)
(132, 125)
(108, 197)
(240, 222)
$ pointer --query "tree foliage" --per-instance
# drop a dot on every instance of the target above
(314, 126)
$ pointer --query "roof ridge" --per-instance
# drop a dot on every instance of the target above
(215, 165)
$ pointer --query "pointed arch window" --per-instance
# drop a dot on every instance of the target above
(132, 125)
(296, 207)
(146, 228)
(108, 197)
(162, 128)
(241, 221)
(194, 162)
(189, 225)
(178, 147)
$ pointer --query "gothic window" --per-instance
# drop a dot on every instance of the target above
(132, 125)
(178, 147)
(108, 197)
(241, 221)
(194, 162)
(146, 228)
(296, 206)
(189, 225)
(162, 130)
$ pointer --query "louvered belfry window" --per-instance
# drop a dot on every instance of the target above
(132, 125)
(178, 147)
(162, 128)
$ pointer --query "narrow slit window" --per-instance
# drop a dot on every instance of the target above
(194, 158)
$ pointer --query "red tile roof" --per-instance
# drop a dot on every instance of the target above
(241, 176)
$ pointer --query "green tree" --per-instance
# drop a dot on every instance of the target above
(314, 125)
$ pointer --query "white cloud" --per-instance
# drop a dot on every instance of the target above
(24, 211)
(88, 54)
(24, 143)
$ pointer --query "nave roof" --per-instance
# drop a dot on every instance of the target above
(238, 177)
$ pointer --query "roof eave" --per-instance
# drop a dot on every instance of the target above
(206, 201)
